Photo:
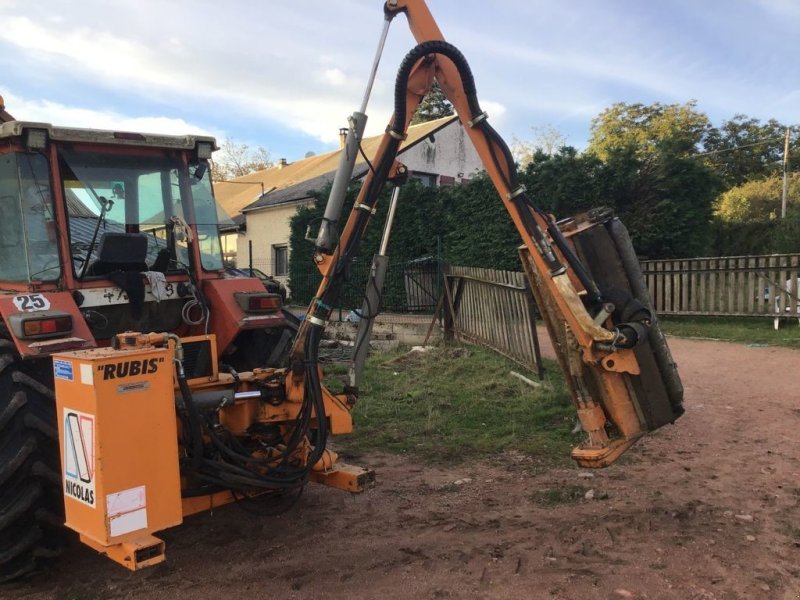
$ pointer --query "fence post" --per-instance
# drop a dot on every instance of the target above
(537, 355)
(449, 308)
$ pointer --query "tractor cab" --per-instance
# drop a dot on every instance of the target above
(124, 204)
(118, 231)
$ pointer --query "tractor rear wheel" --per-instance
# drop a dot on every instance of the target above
(31, 502)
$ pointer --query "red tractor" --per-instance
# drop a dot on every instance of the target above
(104, 232)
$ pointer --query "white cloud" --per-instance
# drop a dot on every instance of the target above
(273, 66)
(784, 9)
(170, 73)
(495, 110)
(333, 76)
(98, 52)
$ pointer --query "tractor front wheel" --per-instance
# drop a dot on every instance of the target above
(31, 502)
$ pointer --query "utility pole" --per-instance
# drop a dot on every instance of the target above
(784, 197)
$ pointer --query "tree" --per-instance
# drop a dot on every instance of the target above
(680, 128)
(234, 160)
(664, 198)
(757, 200)
(433, 106)
(669, 203)
(546, 139)
(564, 182)
(743, 149)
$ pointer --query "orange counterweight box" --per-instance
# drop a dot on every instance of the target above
(119, 449)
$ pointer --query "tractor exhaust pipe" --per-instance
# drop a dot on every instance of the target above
(4, 116)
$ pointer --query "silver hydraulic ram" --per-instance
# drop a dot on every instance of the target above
(328, 234)
(372, 298)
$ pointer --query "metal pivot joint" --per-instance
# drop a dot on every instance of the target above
(477, 119)
(366, 207)
(396, 135)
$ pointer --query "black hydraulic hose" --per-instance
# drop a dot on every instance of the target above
(494, 140)
(195, 433)
(226, 474)
(583, 276)
(411, 59)
(315, 389)
(398, 128)
(370, 199)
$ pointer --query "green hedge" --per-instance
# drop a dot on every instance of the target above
(665, 201)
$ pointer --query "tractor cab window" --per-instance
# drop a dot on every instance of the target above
(28, 245)
(127, 212)
(208, 215)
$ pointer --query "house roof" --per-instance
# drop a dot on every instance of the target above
(296, 180)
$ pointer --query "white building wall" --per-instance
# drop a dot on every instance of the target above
(451, 154)
(265, 228)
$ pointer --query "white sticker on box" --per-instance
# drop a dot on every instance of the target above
(126, 501)
(127, 522)
(87, 375)
(127, 511)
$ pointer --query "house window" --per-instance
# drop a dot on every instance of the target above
(427, 179)
(280, 260)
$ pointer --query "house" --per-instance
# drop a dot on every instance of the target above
(262, 203)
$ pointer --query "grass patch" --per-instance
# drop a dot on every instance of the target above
(443, 406)
(755, 330)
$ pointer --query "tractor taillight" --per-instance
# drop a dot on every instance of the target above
(258, 302)
(265, 303)
(46, 327)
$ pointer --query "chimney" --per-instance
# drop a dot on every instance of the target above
(4, 116)
(342, 136)
(282, 163)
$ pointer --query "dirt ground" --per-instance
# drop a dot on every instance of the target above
(703, 510)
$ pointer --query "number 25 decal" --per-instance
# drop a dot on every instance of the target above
(31, 302)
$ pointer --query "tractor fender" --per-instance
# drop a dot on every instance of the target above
(227, 317)
(16, 308)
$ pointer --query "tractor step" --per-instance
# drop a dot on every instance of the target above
(141, 552)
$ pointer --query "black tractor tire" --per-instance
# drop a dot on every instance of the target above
(31, 502)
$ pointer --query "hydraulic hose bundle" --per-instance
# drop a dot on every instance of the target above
(217, 460)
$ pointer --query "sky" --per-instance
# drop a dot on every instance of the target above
(285, 75)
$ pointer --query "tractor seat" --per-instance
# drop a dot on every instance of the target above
(120, 252)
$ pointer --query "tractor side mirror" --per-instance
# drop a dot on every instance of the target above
(200, 171)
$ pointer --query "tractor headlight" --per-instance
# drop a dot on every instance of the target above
(204, 150)
(35, 139)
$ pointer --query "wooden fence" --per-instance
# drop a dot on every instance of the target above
(733, 285)
(493, 308)
(496, 308)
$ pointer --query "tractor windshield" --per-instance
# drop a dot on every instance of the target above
(28, 245)
(115, 201)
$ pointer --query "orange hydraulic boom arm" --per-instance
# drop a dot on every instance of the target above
(596, 350)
